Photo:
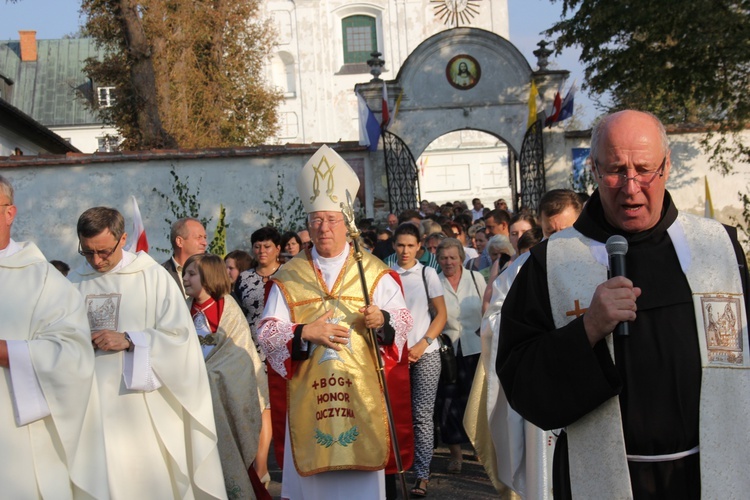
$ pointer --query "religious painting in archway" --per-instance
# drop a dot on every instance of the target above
(463, 72)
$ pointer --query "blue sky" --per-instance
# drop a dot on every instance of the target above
(528, 18)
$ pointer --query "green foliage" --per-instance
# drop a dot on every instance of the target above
(182, 203)
(218, 245)
(284, 212)
(683, 61)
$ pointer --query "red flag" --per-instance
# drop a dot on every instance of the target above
(556, 106)
(139, 242)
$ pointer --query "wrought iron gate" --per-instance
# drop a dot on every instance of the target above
(401, 173)
(531, 173)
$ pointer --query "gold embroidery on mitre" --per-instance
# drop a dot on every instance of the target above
(722, 322)
(327, 175)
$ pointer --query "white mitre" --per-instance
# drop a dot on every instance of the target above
(324, 181)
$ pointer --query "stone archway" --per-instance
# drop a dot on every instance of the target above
(434, 100)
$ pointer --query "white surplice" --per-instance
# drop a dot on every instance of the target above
(51, 432)
(158, 418)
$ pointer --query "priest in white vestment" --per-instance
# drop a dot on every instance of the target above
(51, 431)
(160, 434)
(523, 451)
(309, 340)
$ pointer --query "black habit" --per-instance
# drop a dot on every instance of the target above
(552, 377)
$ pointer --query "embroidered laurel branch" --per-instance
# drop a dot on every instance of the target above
(323, 439)
(348, 437)
(345, 438)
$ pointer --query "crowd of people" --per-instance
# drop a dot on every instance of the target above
(131, 379)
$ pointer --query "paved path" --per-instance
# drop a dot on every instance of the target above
(471, 484)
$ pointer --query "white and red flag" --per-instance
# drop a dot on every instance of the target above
(138, 241)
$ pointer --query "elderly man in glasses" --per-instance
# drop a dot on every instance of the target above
(156, 406)
(663, 411)
(333, 431)
(51, 433)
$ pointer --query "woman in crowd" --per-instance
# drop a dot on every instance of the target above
(480, 241)
(237, 261)
(291, 244)
(463, 290)
(519, 224)
(423, 292)
(239, 389)
(250, 289)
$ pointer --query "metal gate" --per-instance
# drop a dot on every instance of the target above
(531, 166)
(401, 173)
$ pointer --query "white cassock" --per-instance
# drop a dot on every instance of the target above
(160, 434)
(347, 484)
(524, 451)
(51, 433)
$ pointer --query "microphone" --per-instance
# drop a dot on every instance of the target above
(617, 247)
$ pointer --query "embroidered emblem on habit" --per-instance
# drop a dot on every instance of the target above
(722, 322)
(325, 175)
(333, 354)
(578, 311)
(345, 438)
(103, 311)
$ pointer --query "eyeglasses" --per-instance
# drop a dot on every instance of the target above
(620, 179)
(318, 221)
(102, 254)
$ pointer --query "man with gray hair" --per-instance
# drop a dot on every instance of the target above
(159, 424)
(188, 237)
(649, 373)
(51, 430)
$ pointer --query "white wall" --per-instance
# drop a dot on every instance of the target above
(85, 138)
(51, 197)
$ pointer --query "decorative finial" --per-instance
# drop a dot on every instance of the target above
(542, 55)
(347, 209)
(376, 64)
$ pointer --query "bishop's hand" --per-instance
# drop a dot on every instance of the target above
(323, 332)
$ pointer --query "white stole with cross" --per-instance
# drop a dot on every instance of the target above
(576, 265)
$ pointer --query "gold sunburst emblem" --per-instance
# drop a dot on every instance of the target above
(456, 12)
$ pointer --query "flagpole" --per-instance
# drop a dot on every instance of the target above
(348, 211)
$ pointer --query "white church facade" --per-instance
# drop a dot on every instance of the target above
(322, 53)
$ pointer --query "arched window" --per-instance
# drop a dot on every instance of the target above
(283, 71)
(360, 37)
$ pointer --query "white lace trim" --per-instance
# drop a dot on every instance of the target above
(274, 335)
(402, 323)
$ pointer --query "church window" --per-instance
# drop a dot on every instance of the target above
(106, 96)
(360, 38)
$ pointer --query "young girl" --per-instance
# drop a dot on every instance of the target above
(239, 389)
(422, 290)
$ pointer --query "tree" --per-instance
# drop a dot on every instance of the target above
(685, 61)
(187, 73)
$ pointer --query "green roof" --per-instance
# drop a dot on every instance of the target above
(50, 89)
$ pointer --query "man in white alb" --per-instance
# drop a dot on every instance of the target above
(51, 431)
(156, 406)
